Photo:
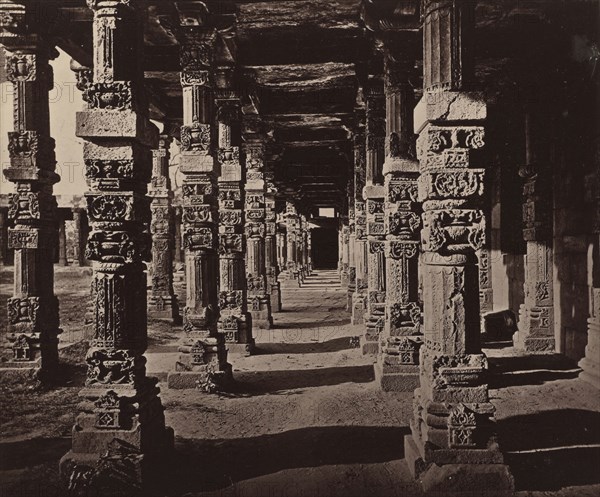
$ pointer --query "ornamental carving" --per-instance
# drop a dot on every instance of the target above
(461, 427)
(232, 299)
(24, 205)
(195, 78)
(110, 367)
(229, 155)
(399, 250)
(110, 208)
(230, 217)
(255, 283)
(118, 246)
(455, 230)
(160, 219)
(197, 214)
(23, 238)
(403, 191)
(376, 247)
(22, 349)
(195, 137)
(196, 56)
(109, 96)
(256, 230)
(107, 411)
(230, 242)
(195, 192)
(403, 224)
(22, 144)
(23, 310)
(95, 168)
(457, 184)
(21, 67)
(198, 238)
(405, 315)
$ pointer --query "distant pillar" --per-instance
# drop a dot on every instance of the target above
(273, 286)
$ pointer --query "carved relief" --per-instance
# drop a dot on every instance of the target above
(195, 137)
(110, 367)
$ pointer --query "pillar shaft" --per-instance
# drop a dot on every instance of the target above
(259, 300)
(33, 322)
(359, 298)
(203, 359)
(452, 411)
(121, 416)
(235, 323)
(163, 301)
(273, 286)
(373, 194)
(536, 320)
(402, 335)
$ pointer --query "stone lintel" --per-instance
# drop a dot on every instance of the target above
(373, 192)
(399, 165)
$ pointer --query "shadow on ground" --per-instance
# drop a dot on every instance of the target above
(530, 370)
(201, 465)
(335, 345)
(549, 450)
(261, 382)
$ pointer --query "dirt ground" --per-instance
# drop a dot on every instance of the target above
(306, 417)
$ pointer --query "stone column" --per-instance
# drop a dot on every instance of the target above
(536, 316)
(259, 301)
(3, 237)
(203, 359)
(122, 422)
(62, 240)
(291, 235)
(163, 301)
(359, 298)
(33, 322)
(273, 286)
(373, 194)
(74, 228)
(397, 368)
(281, 249)
(345, 236)
(236, 323)
(451, 450)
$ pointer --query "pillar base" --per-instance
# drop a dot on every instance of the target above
(261, 320)
(275, 297)
(202, 378)
(241, 349)
(400, 378)
(534, 345)
(591, 372)
(118, 468)
(358, 309)
(164, 307)
(21, 373)
(460, 472)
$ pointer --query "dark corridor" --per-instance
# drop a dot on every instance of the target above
(324, 248)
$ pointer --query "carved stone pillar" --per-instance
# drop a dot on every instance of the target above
(3, 237)
(281, 249)
(235, 323)
(351, 244)
(291, 218)
(373, 194)
(33, 322)
(345, 238)
(62, 240)
(259, 300)
(536, 316)
(273, 286)
(359, 298)
(397, 368)
(450, 448)
(75, 242)
(122, 421)
(203, 359)
(163, 301)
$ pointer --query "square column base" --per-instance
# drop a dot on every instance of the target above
(201, 378)
(472, 472)
(534, 345)
(21, 373)
(276, 297)
(164, 308)
(358, 309)
(401, 378)
(240, 349)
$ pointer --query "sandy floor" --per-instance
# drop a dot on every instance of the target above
(306, 418)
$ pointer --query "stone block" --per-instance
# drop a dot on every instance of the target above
(126, 124)
(449, 106)
(463, 480)
(396, 381)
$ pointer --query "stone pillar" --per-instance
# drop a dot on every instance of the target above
(235, 323)
(397, 367)
(451, 450)
(281, 249)
(359, 298)
(62, 240)
(536, 316)
(259, 300)
(373, 194)
(33, 322)
(273, 286)
(122, 422)
(292, 226)
(203, 359)
(309, 263)
(74, 229)
(3, 237)
(345, 237)
(163, 301)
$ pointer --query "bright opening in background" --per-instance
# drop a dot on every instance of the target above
(326, 212)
